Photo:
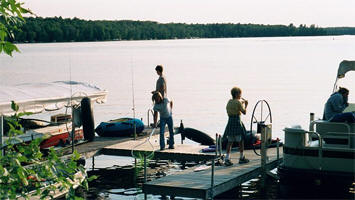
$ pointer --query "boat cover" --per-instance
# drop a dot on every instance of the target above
(39, 97)
(344, 67)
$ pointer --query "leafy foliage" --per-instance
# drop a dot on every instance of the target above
(140, 160)
(11, 17)
(25, 171)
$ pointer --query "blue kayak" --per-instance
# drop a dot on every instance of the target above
(119, 127)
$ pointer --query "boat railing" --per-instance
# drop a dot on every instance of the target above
(346, 125)
(335, 134)
(320, 146)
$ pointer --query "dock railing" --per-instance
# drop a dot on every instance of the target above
(150, 111)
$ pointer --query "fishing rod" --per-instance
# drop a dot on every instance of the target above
(133, 103)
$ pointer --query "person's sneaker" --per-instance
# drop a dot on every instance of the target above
(171, 147)
(243, 160)
(228, 163)
(161, 149)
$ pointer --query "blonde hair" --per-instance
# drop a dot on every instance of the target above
(155, 95)
(235, 91)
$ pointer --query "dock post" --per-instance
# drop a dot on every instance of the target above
(2, 133)
(278, 149)
(220, 145)
(135, 172)
(93, 162)
(212, 179)
(181, 130)
(265, 137)
(217, 143)
(145, 173)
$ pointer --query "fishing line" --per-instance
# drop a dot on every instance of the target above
(134, 124)
(71, 106)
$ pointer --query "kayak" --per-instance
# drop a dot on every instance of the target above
(119, 127)
(198, 136)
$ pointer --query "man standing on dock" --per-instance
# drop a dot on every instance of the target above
(161, 82)
(164, 106)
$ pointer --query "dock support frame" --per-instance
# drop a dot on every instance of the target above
(1, 134)
(212, 179)
(145, 173)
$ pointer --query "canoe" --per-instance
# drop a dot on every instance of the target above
(119, 127)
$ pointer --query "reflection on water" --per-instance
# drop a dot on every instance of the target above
(121, 183)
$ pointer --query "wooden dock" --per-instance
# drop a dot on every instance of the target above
(197, 184)
(188, 183)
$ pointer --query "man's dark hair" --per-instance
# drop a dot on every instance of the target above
(159, 68)
(343, 90)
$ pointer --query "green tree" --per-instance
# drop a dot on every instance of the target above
(11, 17)
(24, 171)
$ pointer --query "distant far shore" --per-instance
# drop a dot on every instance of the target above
(58, 29)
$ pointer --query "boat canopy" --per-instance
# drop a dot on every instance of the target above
(344, 67)
(39, 97)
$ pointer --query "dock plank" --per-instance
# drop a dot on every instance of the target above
(182, 152)
(93, 148)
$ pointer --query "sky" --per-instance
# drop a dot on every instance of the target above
(322, 13)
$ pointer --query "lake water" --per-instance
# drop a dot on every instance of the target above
(295, 75)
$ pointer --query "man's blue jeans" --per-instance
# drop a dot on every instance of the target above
(163, 122)
(344, 117)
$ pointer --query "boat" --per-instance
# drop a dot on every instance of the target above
(57, 132)
(328, 160)
(34, 98)
(120, 127)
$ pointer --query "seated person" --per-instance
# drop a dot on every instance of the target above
(335, 105)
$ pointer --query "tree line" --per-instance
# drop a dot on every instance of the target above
(58, 29)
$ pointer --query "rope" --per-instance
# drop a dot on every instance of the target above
(147, 140)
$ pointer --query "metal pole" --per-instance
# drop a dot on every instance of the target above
(135, 171)
(135, 131)
(220, 145)
(216, 144)
(263, 153)
(72, 129)
(278, 149)
(212, 179)
(1, 133)
(145, 173)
